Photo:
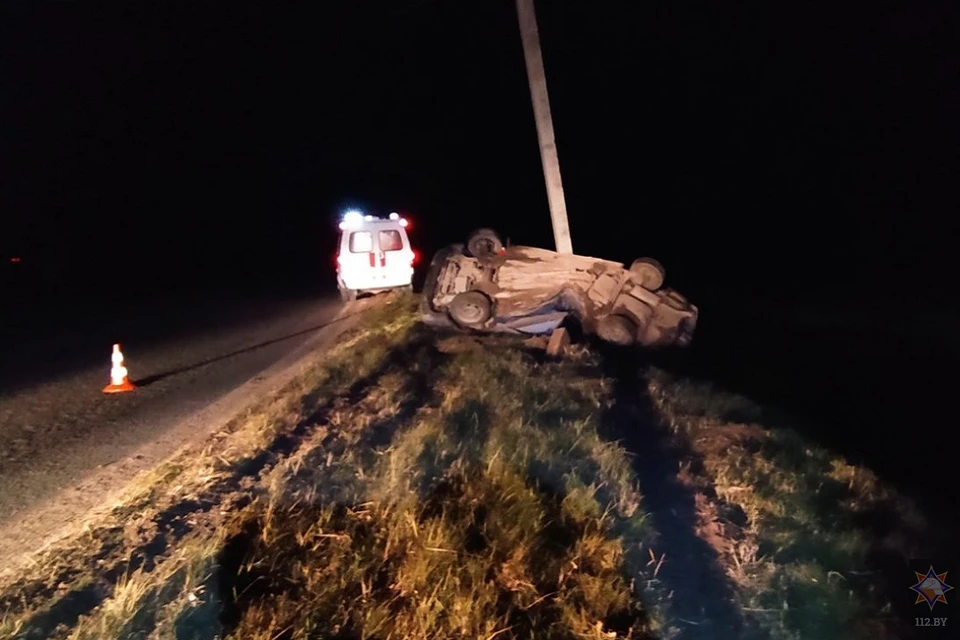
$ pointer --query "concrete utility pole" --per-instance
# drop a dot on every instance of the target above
(541, 111)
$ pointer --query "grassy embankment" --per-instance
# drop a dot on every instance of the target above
(815, 547)
(421, 488)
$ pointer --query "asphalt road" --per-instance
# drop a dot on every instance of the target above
(60, 429)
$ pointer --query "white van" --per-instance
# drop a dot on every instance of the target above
(374, 254)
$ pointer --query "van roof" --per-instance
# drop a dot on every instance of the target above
(376, 222)
(380, 221)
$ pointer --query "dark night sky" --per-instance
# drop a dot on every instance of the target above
(799, 144)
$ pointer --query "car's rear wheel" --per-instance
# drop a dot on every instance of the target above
(470, 309)
(483, 243)
(648, 273)
(617, 329)
(348, 295)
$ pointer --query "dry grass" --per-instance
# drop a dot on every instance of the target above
(813, 522)
(498, 513)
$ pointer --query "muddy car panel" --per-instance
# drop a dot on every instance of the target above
(534, 289)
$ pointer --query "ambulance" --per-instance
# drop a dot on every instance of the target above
(374, 255)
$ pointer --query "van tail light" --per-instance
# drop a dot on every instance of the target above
(414, 258)
(338, 260)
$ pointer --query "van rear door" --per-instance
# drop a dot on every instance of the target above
(359, 255)
(394, 253)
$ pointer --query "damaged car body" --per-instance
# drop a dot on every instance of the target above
(484, 286)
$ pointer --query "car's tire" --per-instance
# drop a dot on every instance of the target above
(470, 309)
(617, 329)
(648, 273)
(348, 295)
(484, 243)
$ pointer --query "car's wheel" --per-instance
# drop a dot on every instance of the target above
(348, 295)
(483, 243)
(470, 309)
(648, 273)
(617, 329)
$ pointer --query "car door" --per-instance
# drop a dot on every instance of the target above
(395, 254)
(358, 259)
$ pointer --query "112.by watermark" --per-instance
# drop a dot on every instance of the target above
(929, 622)
(931, 589)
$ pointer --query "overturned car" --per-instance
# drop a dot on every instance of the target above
(484, 286)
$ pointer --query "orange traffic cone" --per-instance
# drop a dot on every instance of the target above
(118, 374)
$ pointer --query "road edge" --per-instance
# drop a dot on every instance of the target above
(94, 495)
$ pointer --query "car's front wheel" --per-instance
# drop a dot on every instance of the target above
(617, 329)
(648, 273)
(470, 309)
(483, 243)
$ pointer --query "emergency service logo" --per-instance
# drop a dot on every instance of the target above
(931, 588)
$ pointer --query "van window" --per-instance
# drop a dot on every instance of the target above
(361, 242)
(390, 240)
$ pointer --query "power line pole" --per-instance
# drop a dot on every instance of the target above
(541, 112)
